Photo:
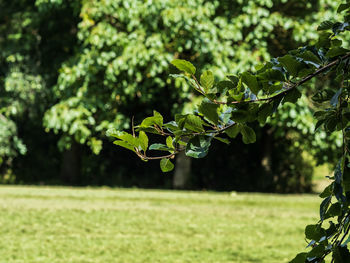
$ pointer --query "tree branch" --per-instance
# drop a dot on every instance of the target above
(221, 130)
(302, 81)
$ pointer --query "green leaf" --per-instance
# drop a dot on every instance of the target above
(159, 147)
(149, 129)
(331, 124)
(143, 140)
(290, 64)
(340, 27)
(166, 165)
(169, 142)
(209, 111)
(272, 75)
(319, 123)
(248, 134)
(273, 87)
(194, 123)
(320, 114)
(336, 51)
(334, 210)
(251, 81)
(190, 122)
(234, 79)
(233, 131)
(336, 42)
(225, 116)
(240, 116)
(317, 251)
(198, 146)
(265, 111)
(346, 178)
(314, 232)
(171, 126)
(126, 137)
(343, 7)
(112, 132)
(276, 102)
(328, 191)
(252, 109)
(300, 258)
(224, 85)
(309, 56)
(207, 80)
(338, 189)
(341, 254)
(346, 242)
(125, 145)
(184, 65)
(224, 140)
(346, 116)
(323, 95)
(156, 119)
(324, 40)
(332, 229)
(335, 99)
(324, 206)
(292, 96)
(325, 25)
(238, 97)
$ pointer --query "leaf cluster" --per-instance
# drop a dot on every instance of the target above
(229, 106)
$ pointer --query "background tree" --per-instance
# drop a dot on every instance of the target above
(85, 67)
(35, 37)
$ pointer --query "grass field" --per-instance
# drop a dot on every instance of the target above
(63, 225)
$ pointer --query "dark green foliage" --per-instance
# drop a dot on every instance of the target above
(248, 135)
(300, 258)
(198, 146)
(33, 44)
(85, 66)
(209, 111)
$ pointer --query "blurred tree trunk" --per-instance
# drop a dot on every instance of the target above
(266, 158)
(182, 171)
(70, 167)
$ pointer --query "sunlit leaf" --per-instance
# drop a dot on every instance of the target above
(143, 139)
(207, 80)
(166, 165)
(184, 65)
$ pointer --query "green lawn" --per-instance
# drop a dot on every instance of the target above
(51, 225)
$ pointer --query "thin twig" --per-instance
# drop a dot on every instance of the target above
(132, 126)
(199, 89)
(169, 156)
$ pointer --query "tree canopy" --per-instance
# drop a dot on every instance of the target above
(70, 71)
